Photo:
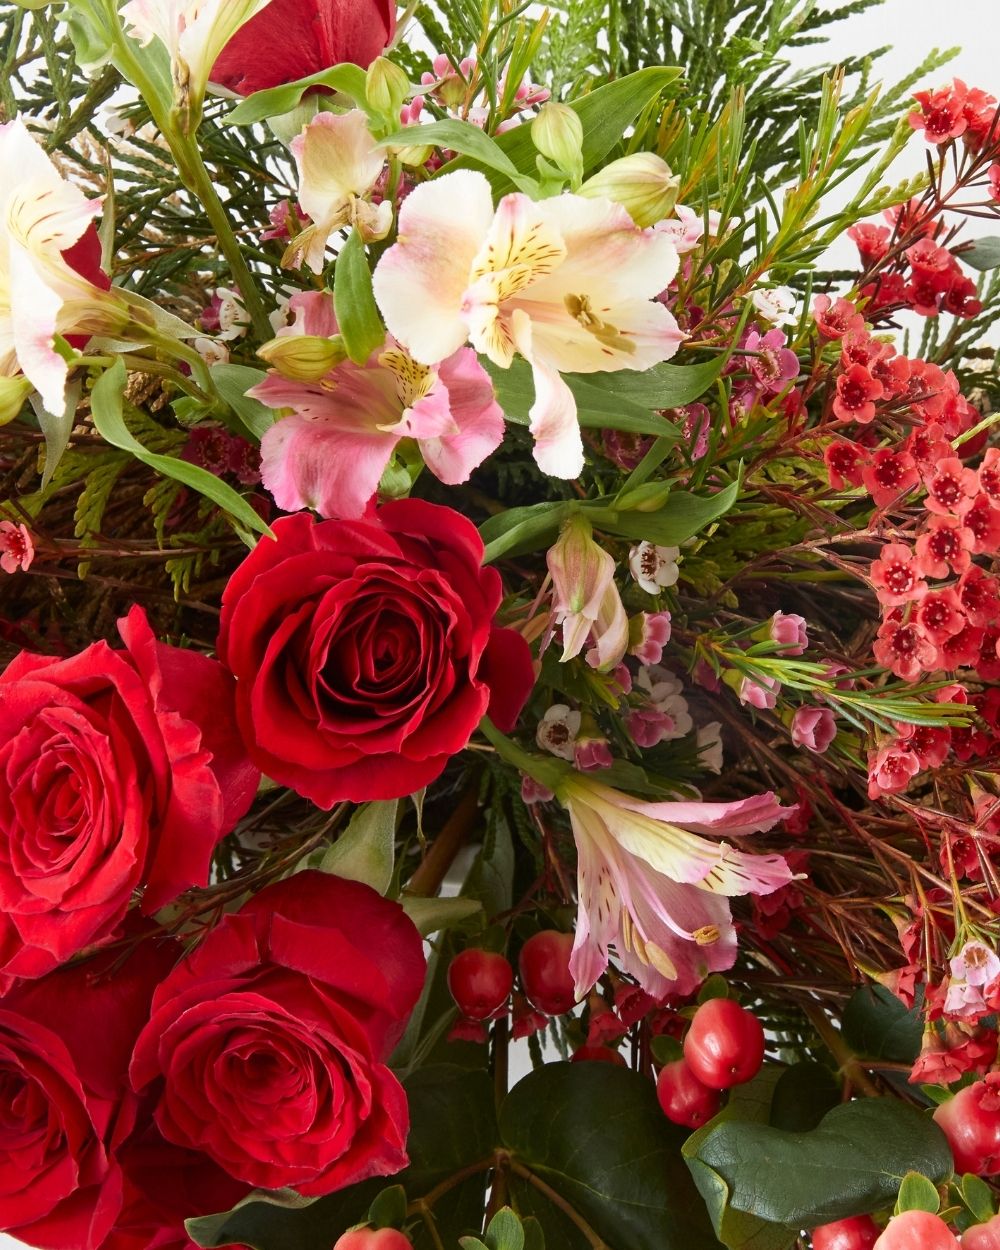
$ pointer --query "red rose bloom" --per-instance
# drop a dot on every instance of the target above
(65, 1043)
(365, 652)
(291, 39)
(266, 1045)
(118, 770)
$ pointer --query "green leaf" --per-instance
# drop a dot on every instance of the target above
(517, 530)
(606, 114)
(350, 79)
(804, 1094)
(490, 880)
(431, 915)
(917, 1193)
(505, 1231)
(470, 141)
(750, 1103)
(680, 518)
(106, 412)
(389, 1208)
(877, 1025)
(595, 1135)
(603, 400)
(983, 254)
(232, 382)
(56, 427)
(978, 1197)
(851, 1164)
(366, 850)
(361, 327)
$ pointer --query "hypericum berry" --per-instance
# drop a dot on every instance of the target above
(973, 1131)
(917, 1230)
(373, 1239)
(480, 983)
(725, 1044)
(859, 1232)
(545, 975)
(684, 1099)
(983, 1236)
(598, 1054)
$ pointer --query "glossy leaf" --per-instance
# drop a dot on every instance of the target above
(851, 1164)
(595, 1135)
(877, 1025)
(106, 413)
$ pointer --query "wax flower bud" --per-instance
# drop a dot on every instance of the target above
(642, 183)
(304, 357)
(557, 133)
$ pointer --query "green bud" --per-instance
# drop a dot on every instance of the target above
(303, 357)
(557, 133)
(386, 88)
(642, 183)
(649, 497)
(13, 393)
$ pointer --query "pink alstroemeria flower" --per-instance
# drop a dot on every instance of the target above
(656, 890)
(41, 217)
(568, 283)
(330, 453)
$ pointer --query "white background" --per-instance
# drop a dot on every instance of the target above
(912, 28)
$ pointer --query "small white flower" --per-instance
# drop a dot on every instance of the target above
(709, 740)
(775, 304)
(211, 351)
(234, 320)
(654, 568)
(557, 730)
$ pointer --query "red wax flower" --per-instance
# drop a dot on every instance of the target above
(291, 39)
(266, 1046)
(120, 770)
(365, 651)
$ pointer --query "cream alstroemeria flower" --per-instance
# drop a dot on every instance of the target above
(194, 32)
(41, 216)
(655, 890)
(568, 283)
(339, 163)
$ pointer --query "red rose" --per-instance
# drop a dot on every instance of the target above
(65, 1102)
(118, 770)
(365, 652)
(291, 39)
(266, 1046)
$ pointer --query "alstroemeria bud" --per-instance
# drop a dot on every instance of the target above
(13, 392)
(642, 183)
(557, 133)
(303, 357)
(386, 88)
(581, 573)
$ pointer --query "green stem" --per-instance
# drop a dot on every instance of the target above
(198, 180)
(195, 176)
(548, 772)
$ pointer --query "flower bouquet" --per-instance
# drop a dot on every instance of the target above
(499, 623)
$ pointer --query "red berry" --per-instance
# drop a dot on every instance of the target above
(598, 1054)
(373, 1239)
(724, 1045)
(683, 1097)
(972, 1131)
(860, 1232)
(545, 975)
(480, 983)
(983, 1236)
(917, 1230)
